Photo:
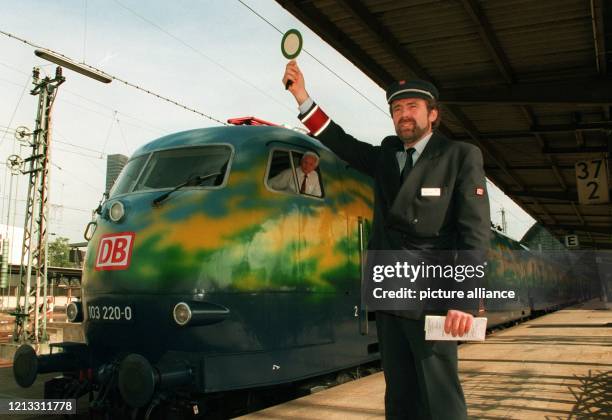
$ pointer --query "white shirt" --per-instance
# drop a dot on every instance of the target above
(418, 151)
(284, 182)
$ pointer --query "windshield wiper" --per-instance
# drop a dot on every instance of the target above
(191, 182)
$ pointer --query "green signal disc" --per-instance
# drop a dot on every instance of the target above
(291, 44)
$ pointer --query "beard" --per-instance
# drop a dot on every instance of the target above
(410, 134)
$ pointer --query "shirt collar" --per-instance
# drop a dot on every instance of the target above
(421, 144)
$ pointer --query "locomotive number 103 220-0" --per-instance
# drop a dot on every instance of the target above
(110, 312)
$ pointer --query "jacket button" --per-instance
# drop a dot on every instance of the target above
(415, 221)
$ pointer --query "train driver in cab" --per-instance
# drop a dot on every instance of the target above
(307, 177)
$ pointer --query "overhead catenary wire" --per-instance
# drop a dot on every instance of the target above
(4, 130)
(15, 69)
(114, 117)
(147, 124)
(384, 111)
(125, 82)
(109, 132)
(100, 154)
(97, 156)
(6, 169)
(84, 58)
(152, 128)
(77, 178)
(127, 149)
(59, 149)
(205, 56)
(56, 205)
(85, 31)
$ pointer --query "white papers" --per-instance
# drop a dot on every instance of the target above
(434, 329)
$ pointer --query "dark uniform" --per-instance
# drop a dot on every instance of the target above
(421, 376)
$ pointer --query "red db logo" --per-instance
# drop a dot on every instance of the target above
(115, 251)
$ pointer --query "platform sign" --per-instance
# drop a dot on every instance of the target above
(592, 181)
(571, 241)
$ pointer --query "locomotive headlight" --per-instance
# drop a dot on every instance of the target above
(74, 312)
(181, 313)
(117, 211)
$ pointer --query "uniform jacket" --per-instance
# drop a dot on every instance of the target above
(414, 215)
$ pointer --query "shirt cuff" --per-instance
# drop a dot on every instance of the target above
(306, 105)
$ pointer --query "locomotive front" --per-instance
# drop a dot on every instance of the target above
(147, 271)
(152, 300)
(200, 279)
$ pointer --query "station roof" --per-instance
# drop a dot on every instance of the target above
(529, 82)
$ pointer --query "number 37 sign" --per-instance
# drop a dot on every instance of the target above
(592, 181)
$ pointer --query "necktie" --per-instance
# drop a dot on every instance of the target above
(303, 186)
(408, 165)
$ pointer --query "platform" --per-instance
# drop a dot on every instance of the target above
(556, 366)
(58, 331)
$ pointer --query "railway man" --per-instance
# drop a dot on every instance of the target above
(421, 376)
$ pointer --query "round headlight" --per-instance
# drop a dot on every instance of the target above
(181, 313)
(116, 211)
(73, 312)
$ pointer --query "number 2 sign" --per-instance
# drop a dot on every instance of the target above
(592, 181)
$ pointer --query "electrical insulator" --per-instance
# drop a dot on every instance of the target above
(22, 133)
(14, 163)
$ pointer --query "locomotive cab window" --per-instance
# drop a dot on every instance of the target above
(128, 176)
(295, 172)
(203, 166)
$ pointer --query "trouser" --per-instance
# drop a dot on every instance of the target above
(421, 376)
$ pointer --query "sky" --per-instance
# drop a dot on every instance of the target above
(215, 56)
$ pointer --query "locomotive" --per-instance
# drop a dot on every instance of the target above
(201, 278)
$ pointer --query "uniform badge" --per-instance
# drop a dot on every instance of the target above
(430, 192)
(480, 191)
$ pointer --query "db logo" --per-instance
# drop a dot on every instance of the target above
(115, 251)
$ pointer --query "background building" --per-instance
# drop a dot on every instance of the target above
(114, 165)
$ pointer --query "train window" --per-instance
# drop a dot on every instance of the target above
(128, 176)
(295, 172)
(169, 168)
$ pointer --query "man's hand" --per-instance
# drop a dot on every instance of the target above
(458, 323)
(297, 87)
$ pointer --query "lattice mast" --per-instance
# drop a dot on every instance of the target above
(31, 317)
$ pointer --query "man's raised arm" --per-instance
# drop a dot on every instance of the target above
(362, 156)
